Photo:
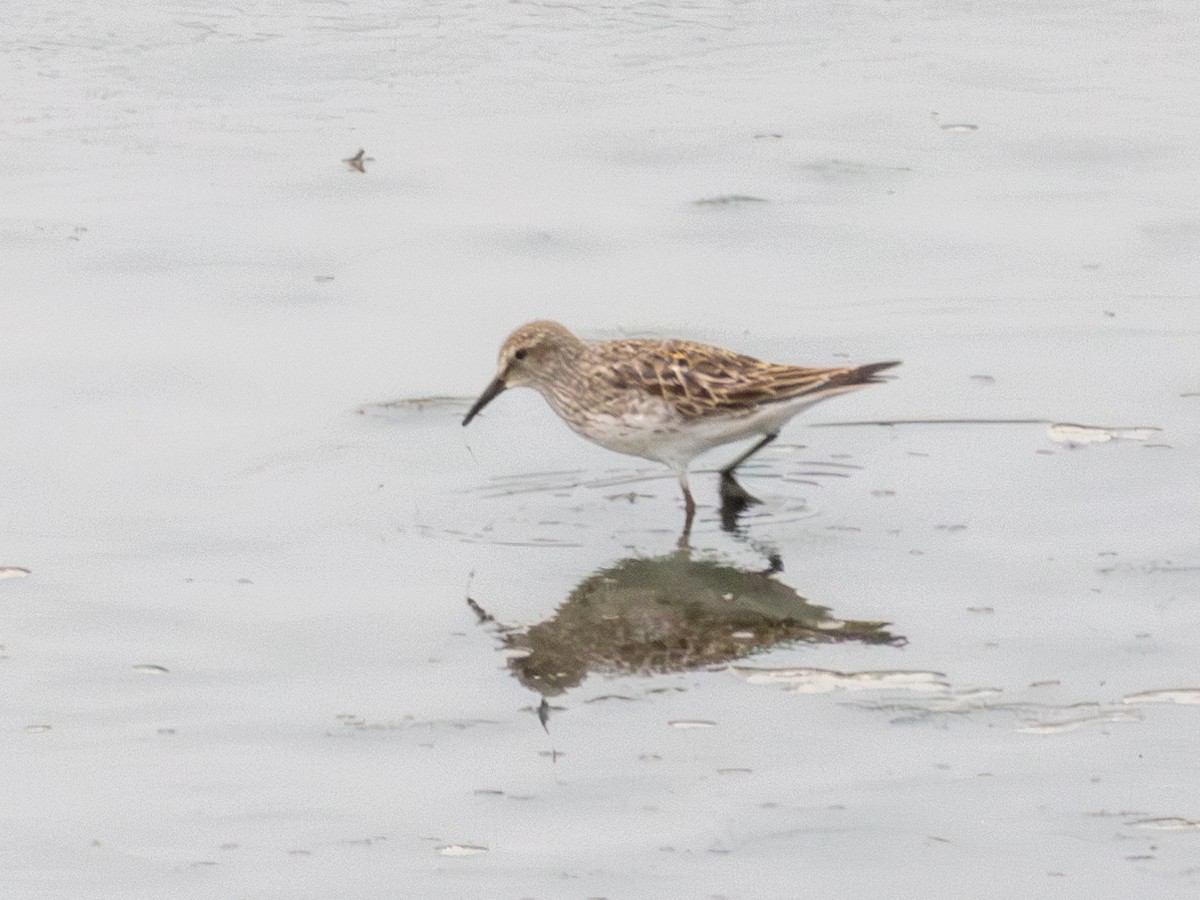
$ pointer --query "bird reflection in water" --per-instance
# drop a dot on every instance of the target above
(669, 613)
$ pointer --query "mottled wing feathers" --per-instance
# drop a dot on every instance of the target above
(701, 380)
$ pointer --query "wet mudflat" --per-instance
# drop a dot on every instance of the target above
(272, 622)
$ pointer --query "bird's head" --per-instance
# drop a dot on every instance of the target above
(528, 358)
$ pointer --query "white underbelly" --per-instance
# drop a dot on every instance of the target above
(656, 431)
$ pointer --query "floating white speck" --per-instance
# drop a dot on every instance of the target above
(1184, 696)
(1068, 433)
(692, 723)
(461, 850)
(823, 681)
(959, 127)
(13, 572)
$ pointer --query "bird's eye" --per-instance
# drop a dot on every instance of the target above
(521, 354)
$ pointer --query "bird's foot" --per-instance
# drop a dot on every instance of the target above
(735, 500)
(733, 492)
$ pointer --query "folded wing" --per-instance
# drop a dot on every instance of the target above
(701, 380)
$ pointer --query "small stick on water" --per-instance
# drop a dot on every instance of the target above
(484, 615)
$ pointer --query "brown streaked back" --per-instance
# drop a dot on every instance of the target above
(698, 379)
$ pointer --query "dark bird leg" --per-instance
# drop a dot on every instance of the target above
(727, 472)
(734, 497)
(689, 508)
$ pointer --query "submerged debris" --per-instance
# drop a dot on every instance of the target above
(358, 162)
(415, 404)
(728, 200)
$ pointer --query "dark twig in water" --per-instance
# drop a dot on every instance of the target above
(484, 615)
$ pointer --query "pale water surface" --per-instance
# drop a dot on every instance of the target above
(238, 658)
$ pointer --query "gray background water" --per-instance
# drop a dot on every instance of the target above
(244, 665)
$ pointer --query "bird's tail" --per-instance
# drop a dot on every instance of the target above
(864, 374)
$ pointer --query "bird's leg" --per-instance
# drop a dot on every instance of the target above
(727, 472)
(689, 508)
(734, 497)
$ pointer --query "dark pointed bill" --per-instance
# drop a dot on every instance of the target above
(488, 395)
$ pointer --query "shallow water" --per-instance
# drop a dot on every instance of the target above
(263, 626)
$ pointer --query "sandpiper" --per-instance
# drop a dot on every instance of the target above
(667, 401)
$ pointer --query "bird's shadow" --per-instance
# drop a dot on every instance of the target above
(675, 612)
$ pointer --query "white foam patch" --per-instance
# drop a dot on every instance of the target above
(461, 850)
(1068, 433)
(1182, 696)
(823, 681)
(1167, 823)
(1063, 725)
